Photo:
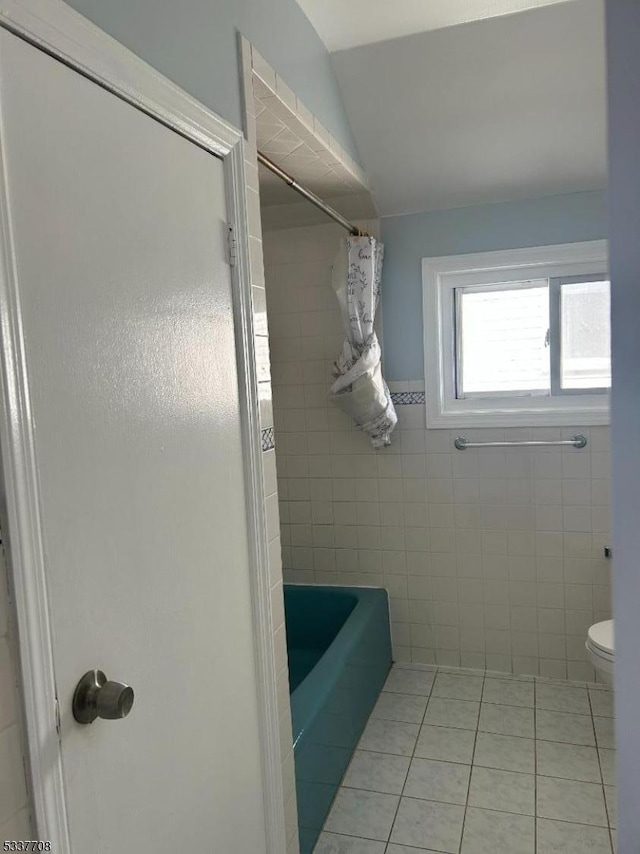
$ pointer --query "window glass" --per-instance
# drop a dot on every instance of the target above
(585, 361)
(503, 344)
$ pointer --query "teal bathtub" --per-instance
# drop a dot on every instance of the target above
(339, 647)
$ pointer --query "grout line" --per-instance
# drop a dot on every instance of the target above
(413, 752)
(388, 840)
(410, 848)
(436, 671)
(484, 809)
(473, 756)
(535, 768)
(357, 747)
(606, 805)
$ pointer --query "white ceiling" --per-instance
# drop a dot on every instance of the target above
(507, 108)
(343, 25)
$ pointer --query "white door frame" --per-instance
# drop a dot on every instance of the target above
(66, 35)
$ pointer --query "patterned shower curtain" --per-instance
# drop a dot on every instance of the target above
(359, 388)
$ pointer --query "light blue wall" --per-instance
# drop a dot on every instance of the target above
(508, 225)
(193, 42)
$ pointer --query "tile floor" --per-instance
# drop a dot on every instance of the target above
(463, 762)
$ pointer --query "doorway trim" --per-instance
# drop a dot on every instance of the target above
(60, 31)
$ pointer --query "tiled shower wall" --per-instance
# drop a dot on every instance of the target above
(265, 419)
(492, 557)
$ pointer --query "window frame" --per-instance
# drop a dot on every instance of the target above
(441, 276)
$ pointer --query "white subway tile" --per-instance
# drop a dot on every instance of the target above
(552, 646)
(323, 536)
(392, 513)
(521, 532)
(577, 544)
(447, 638)
(553, 669)
(550, 595)
(470, 592)
(441, 516)
(270, 478)
(577, 519)
(602, 600)
(526, 665)
(414, 489)
(442, 540)
(301, 558)
(496, 567)
(497, 642)
(262, 68)
(277, 606)
(548, 491)
(576, 464)
(324, 560)
(580, 671)
(370, 560)
(421, 655)
(524, 644)
(549, 517)
(275, 560)
(601, 519)
(578, 597)
(468, 541)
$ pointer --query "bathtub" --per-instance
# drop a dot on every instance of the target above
(339, 647)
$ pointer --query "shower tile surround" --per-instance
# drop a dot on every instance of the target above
(265, 419)
(493, 558)
(284, 130)
(292, 137)
(468, 762)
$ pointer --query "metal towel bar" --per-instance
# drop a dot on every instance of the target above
(577, 441)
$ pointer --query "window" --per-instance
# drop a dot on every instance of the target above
(519, 337)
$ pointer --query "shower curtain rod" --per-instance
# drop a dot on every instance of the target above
(308, 195)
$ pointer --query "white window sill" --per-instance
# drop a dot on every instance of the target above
(439, 417)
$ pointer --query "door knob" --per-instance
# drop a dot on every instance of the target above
(96, 697)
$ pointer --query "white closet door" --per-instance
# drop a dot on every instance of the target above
(118, 226)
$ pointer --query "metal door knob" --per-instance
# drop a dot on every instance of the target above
(96, 697)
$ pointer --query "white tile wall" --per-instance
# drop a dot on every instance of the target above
(286, 130)
(14, 809)
(492, 557)
(248, 59)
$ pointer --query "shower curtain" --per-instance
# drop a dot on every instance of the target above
(359, 388)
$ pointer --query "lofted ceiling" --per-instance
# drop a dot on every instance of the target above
(504, 108)
(343, 25)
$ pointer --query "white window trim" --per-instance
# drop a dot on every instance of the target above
(440, 276)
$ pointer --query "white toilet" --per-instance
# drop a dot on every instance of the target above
(600, 648)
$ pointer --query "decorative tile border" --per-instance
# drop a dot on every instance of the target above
(268, 439)
(405, 398)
